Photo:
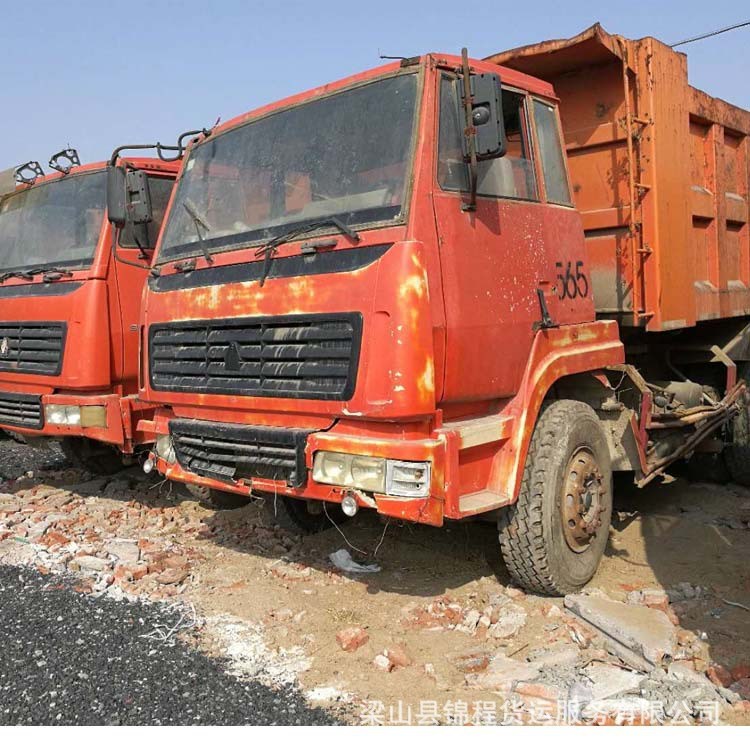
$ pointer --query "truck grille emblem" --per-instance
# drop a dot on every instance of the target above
(4, 347)
(233, 358)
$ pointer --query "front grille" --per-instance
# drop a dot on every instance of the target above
(232, 452)
(21, 410)
(32, 347)
(292, 356)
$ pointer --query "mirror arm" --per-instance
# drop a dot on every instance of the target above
(160, 147)
(470, 132)
(118, 257)
(142, 254)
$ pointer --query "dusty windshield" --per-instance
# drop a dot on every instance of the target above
(345, 155)
(55, 223)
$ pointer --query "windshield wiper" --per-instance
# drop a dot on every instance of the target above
(51, 273)
(268, 251)
(16, 274)
(199, 222)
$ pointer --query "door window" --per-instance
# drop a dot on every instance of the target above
(511, 176)
(550, 150)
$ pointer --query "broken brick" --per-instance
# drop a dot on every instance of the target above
(580, 634)
(719, 675)
(398, 656)
(475, 661)
(172, 576)
(350, 639)
(539, 691)
(54, 539)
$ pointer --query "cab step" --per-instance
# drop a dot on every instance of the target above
(482, 501)
(480, 431)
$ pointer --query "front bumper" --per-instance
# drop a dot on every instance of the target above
(342, 438)
(107, 418)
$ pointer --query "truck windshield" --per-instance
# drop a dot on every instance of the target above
(344, 155)
(53, 223)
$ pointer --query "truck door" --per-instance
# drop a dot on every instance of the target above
(494, 259)
(131, 275)
(491, 258)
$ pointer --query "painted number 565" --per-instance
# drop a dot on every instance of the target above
(573, 281)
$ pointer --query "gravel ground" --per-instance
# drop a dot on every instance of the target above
(18, 458)
(68, 658)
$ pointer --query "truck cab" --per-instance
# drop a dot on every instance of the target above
(70, 291)
(363, 294)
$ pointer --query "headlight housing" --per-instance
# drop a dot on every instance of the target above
(62, 415)
(346, 470)
(371, 474)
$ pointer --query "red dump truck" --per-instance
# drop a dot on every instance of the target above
(70, 292)
(449, 287)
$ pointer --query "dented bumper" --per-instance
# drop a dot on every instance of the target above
(344, 437)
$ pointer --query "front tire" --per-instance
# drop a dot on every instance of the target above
(304, 516)
(553, 538)
(219, 499)
(96, 457)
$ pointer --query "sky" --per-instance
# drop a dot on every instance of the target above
(94, 75)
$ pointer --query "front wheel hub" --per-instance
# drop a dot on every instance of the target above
(582, 500)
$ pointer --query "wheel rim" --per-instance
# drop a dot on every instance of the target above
(582, 500)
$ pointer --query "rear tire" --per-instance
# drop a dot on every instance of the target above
(96, 457)
(553, 538)
(737, 453)
(303, 516)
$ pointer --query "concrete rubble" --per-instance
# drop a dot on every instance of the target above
(593, 671)
(128, 550)
(648, 634)
(501, 618)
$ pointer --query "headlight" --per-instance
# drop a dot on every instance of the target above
(164, 448)
(385, 476)
(63, 415)
(361, 472)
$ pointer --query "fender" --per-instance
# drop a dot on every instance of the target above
(556, 352)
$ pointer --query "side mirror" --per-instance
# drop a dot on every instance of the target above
(116, 195)
(128, 196)
(486, 116)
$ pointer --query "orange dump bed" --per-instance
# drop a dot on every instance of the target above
(660, 175)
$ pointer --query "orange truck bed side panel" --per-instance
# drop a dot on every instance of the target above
(660, 175)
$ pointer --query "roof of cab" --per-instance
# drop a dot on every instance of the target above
(507, 75)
